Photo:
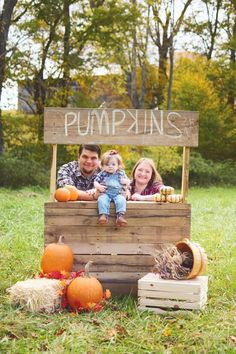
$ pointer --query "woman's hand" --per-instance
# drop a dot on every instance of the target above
(137, 196)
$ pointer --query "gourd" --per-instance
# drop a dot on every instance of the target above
(74, 193)
(57, 257)
(84, 292)
(160, 198)
(174, 198)
(166, 190)
(62, 194)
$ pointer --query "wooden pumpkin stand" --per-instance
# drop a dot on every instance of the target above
(121, 255)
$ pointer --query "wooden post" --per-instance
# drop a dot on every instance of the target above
(185, 172)
(53, 172)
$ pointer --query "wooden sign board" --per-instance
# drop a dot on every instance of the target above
(120, 126)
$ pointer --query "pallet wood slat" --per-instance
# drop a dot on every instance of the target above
(130, 205)
(153, 235)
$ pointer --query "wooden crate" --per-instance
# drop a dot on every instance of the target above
(158, 294)
(121, 255)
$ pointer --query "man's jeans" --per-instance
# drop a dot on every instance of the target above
(104, 201)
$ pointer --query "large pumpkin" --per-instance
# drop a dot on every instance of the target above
(74, 193)
(57, 257)
(84, 292)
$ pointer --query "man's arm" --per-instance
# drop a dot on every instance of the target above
(65, 174)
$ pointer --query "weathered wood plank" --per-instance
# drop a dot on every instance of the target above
(118, 277)
(132, 212)
(119, 126)
(131, 205)
(115, 263)
(153, 220)
(122, 288)
(146, 234)
(112, 248)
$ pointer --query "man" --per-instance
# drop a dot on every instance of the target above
(83, 172)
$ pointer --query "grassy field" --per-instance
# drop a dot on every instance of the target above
(120, 327)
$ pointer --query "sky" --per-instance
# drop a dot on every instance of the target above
(9, 96)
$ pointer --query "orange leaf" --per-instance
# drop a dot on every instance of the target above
(107, 294)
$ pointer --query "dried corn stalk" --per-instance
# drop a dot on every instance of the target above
(172, 264)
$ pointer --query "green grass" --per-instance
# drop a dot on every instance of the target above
(120, 327)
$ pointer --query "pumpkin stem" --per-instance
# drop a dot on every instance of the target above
(60, 239)
(86, 269)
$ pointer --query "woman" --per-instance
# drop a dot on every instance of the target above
(146, 182)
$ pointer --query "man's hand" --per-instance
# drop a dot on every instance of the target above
(101, 188)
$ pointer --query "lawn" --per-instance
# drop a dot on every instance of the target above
(120, 327)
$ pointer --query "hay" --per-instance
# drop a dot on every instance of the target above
(37, 295)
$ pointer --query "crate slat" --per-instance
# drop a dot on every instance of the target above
(150, 303)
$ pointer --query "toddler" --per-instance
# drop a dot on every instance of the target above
(112, 183)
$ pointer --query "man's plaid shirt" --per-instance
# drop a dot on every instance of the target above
(71, 174)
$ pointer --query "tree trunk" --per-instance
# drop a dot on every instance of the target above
(231, 94)
(66, 64)
(5, 22)
(162, 73)
(169, 93)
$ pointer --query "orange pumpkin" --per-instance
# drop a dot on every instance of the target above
(84, 292)
(62, 194)
(57, 257)
(74, 193)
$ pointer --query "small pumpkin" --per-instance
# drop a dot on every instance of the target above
(74, 193)
(160, 198)
(174, 198)
(84, 292)
(57, 257)
(166, 190)
(62, 194)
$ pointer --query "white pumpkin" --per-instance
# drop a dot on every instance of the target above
(160, 198)
(167, 190)
(174, 198)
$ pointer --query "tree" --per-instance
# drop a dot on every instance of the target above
(163, 35)
(206, 25)
(5, 22)
(198, 86)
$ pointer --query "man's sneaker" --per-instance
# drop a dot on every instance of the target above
(120, 220)
(103, 219)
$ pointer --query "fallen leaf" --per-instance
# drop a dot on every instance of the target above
(60, 331)
(107, 294)
(233, 338)
(120, 329)
(166, 332)
(112, 332)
